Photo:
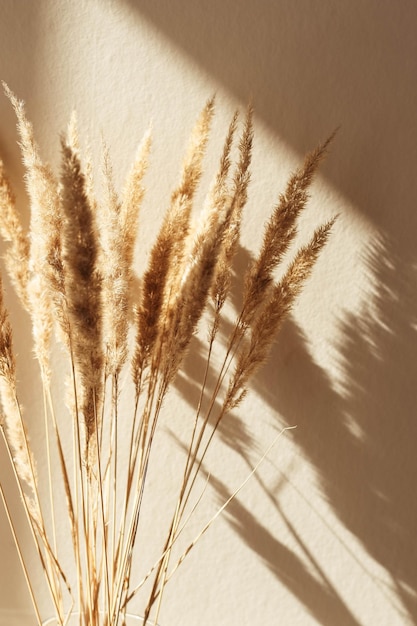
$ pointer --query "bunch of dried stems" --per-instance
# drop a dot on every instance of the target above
(73, 272)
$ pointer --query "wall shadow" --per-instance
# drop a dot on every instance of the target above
(310, 67)
(302, 576)
(359, 437)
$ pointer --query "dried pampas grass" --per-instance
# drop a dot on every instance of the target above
(74, 273)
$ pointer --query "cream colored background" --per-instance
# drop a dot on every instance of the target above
(326, 533)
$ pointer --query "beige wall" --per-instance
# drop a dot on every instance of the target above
(325, 534)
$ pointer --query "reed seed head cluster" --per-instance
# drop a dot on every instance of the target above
(74, 273)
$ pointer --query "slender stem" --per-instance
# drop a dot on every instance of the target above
(228, 501)
(103, 519)
(166, 562)
(52, 568)
(202, 391)
(22, 561)
(80, 479)
(48, 459)
(114, 455)
(145, 448)
(123, 519)
(234, 341)
(64, 470)
(45, 386)
(134, 591)
(38, 538)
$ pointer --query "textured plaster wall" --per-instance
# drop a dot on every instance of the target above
(325, 534)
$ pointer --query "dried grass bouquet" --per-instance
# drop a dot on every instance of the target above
(73, 272)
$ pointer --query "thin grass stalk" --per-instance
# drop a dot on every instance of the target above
(162, 569)
(194, 469)
(190, 454)
(187, 486)
(226, 504)
(48, 460)
(79, 479)
(90, 555)
(115, 458)
(36, 531)
(158, 592)
(136, 445)
(103, 520)
(163, 563)
(183, 496)
(129, 483)
(20, 554)
(100, 506)
(193, 452)
(72, 512)
(145, 447)
(134, 591)
(181, 504)
(51, 564)
(145, 455)
(120, 551)
(51, 496)
(113, 477)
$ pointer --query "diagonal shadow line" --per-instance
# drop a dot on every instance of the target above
(316, 593)
(359, 437)
(312, 588)
(310, 67)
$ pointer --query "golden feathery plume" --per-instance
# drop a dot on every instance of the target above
(115, 275)
(132, 197)
(167, 253)
(280, 231)
(44, 234)
(216, 206)
(177, 219)
(271, 314)
(83, 286)
(119, 223)
(241, 180)
(77, 263)
(17, 257)
(11, 420)
(219, 192)
(188, 303)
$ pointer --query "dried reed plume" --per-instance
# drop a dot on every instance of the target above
(17, 257)
(74, 273)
